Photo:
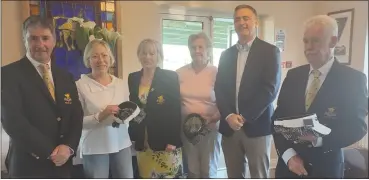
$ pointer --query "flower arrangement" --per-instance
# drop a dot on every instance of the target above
(88, 30)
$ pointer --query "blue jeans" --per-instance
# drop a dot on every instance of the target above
(97, 165)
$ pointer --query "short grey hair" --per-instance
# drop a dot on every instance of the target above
(88, 51)
(208, 43)
(327, 22)
(37, 20)
(144, 44)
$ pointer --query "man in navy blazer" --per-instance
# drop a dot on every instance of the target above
(40, 108)
(246, 85)
(336, 93)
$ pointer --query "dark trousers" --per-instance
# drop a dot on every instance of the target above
(77, 172)
(136, 174)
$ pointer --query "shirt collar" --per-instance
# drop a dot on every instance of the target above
(245, 47)
(36, 63)
(325, 68)
(94, 85)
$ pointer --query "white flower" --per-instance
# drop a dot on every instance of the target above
(92, 37)
(88, 24)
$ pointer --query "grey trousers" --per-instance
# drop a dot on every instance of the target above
(202, 158)
(241, 152)
(120, 163)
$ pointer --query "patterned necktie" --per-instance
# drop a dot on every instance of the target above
(47, 79)
(244, 48)
(313, 89)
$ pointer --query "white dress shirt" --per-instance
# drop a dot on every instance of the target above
(323, 74)
(243, 53)
(100, 137)
(36, 64)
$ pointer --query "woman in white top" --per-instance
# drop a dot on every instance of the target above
(102, 145)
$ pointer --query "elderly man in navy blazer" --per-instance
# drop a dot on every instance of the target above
(40, 108)
(336, 93)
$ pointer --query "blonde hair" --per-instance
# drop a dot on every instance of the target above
(88, 51)
(202, 35)
(144, 44)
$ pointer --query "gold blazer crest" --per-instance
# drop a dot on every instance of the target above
(331, 113)
(67, 98)
(160, 100)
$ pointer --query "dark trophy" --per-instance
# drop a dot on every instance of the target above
(292, 128)
(128, 111)
(141, 116)
(194, 128)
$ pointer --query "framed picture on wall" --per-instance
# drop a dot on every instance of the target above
(345, 21)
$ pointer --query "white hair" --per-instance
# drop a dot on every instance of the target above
(328, 23)
(208, 43)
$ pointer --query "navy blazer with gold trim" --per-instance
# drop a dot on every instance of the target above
(341, 104)
(163, 120)
(35, 123)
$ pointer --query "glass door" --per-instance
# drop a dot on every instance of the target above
(175, 32)
(224, 37)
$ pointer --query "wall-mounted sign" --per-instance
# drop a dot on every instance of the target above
(286, 64)
(280, 39)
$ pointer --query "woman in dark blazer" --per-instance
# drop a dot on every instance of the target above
(157, 137)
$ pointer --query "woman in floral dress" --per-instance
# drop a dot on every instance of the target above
(157, 138)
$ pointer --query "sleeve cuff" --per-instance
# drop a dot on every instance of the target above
(96, 117)
(318, 142)
(71, 151)
(288, 154)
(228, 116)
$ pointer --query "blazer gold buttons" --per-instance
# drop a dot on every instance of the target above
(58, 119)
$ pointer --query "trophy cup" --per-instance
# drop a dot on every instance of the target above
(194, 128)
(127, 111)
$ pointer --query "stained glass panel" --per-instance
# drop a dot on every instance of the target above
(108, 21)
(34, 10)
(67, 9)
(56, 9)
(34, 3)
(110, 7)
(109, 16)
(102, 5)
(90, 14)
(67, 53)
(109, 25)
(103, 16)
